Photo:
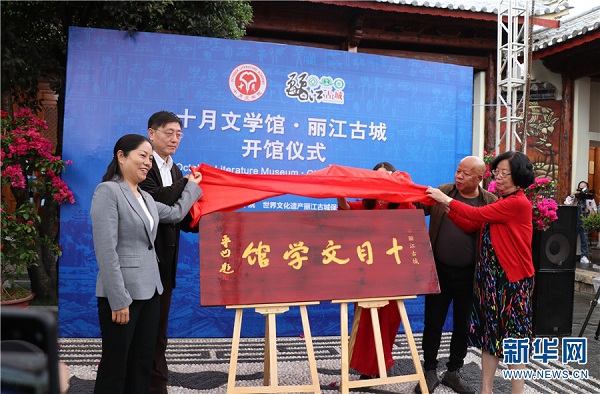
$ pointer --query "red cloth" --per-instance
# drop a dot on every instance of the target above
(227, 191)
(364, 355)
(511, 230)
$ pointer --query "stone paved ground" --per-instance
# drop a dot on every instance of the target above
(201, 365)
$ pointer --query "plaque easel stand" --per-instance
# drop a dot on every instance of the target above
(271, 384)
(372, 305)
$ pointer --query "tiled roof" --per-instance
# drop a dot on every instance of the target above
(570, 28)
(486, 6)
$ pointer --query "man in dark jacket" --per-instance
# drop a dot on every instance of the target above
(455, 253)
(165, 183)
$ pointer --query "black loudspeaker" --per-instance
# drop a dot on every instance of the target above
(553, 303)
(554, 249)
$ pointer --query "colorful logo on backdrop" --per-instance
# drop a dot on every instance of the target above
(247, 82)
(311, 88)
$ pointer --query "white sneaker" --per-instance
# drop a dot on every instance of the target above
(584, 260)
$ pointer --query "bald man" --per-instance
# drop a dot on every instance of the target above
(455, 253)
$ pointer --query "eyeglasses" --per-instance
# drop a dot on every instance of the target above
(171, 133)
(498, 174)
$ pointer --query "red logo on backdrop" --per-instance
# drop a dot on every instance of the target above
(247, 82)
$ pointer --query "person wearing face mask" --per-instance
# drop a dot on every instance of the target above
(124, 226)
(584, 199)
(504, 272)
(364, 356)
(455, 253)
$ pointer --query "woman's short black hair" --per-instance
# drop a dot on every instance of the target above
(386, 165)
(369, 203)
(521, 169)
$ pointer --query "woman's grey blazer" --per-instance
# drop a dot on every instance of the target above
(124, 243)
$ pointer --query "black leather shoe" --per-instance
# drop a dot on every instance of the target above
(456, 382)
(432, 381)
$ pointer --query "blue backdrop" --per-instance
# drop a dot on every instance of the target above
(254, 108)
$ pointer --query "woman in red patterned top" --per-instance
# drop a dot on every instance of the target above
(364, 357)
(504, 273)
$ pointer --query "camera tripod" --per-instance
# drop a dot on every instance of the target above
(587, 318)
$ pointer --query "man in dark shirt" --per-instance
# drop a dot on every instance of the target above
(165, 183)
(455, 253)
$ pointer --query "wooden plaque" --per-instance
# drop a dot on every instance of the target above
(278, 257)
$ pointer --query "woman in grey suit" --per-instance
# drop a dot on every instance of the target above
(124, 224)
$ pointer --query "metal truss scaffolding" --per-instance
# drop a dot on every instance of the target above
(512, 73)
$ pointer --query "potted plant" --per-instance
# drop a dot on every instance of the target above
(591, 222)
(540, 193)
(18, 236)
(31, 175)
(488, 158)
